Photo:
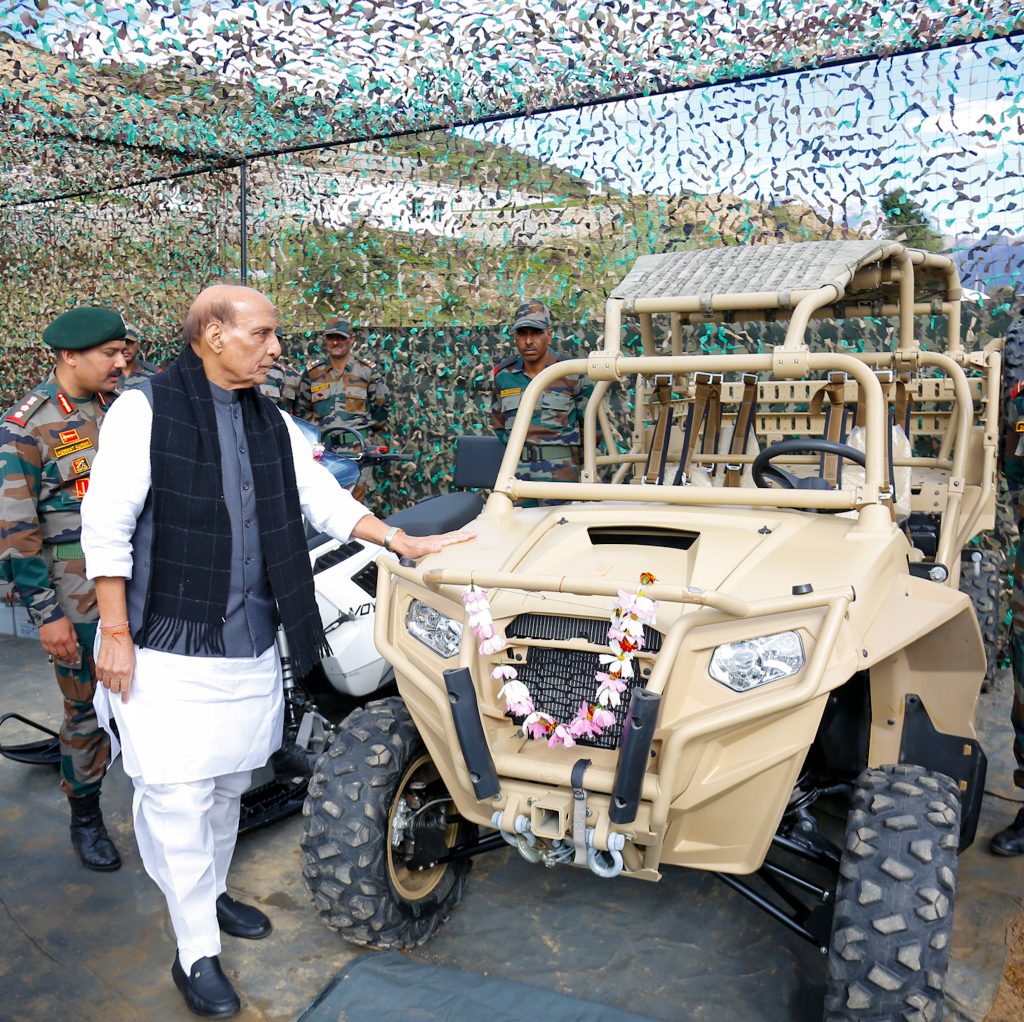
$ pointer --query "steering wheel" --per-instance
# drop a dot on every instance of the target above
(765, 472)
(332, 438)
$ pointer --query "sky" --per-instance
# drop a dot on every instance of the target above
(947, 126)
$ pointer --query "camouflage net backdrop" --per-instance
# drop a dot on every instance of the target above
(155, 87)
(422, 168)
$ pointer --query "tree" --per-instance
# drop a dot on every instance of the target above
(907, 221)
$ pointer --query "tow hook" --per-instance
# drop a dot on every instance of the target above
(605, 863)
(601, 863)
(523, 841)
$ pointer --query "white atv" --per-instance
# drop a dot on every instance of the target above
(345, 585)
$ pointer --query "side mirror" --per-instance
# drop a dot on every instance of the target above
(477, 460)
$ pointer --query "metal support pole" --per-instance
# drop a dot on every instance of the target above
(243, 226)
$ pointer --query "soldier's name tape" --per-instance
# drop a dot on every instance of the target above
(79, 445)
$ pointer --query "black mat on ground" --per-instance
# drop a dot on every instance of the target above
(376, 987)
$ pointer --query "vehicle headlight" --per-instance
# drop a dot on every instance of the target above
(754, 662)
(433, 629)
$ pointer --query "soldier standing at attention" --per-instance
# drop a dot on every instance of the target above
(344, 390)
(135, 369)
(282, 383)
(552, 448)
(47, 445)
(1010, 841)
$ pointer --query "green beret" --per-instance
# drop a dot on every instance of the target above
(84, 327)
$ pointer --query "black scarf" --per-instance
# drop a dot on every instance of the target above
(191, 557)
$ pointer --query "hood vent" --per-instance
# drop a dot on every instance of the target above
(641, 535)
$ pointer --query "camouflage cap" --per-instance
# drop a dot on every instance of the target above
(84, 327)
(532, 314)
(337, 325)
(131, 332)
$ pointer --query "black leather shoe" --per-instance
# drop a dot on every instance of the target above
(89, 836)
(207, 991)
(241, 920)
(1011, 840)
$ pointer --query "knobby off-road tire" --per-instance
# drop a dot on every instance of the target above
(981, 580)
(894, 899)
(357, 879)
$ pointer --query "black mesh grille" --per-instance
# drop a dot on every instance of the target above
(342, 553)
(366, 579)
(560, 679)
(560, 629)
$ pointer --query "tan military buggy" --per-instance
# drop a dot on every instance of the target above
(804, 514)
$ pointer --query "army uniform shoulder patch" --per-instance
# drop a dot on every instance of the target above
(24, 411)
(505, 363)
(366, 362)
(316, 364)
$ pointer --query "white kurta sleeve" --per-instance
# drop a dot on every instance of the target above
(324, 502)
(119, 482)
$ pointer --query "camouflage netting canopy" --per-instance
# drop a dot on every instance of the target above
(98, 95)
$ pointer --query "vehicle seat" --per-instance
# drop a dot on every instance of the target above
(438, 514)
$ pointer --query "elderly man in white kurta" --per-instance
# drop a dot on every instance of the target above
(192, 531)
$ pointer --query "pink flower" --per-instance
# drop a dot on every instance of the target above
(518, 700)
(538, 725)
(581, 726)
(561, 736)
(601, 719)
(616, 633)
(504, 672)
(492, 645)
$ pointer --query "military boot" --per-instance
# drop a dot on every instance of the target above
(1011, 840)
(89, 836)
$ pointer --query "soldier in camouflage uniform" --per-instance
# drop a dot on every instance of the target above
(282, 384)
(552, 449)
(47, 444)
(1010, 841)
(345, 390)
(136, 369)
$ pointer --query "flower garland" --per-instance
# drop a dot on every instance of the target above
(625, 638)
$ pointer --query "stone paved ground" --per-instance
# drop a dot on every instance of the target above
(686, 948)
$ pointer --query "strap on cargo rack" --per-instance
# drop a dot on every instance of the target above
(579, 811)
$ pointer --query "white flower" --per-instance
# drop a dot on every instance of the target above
(618, 662)
(481, 617)
(517, 698)
(633, 627)
(504, 672)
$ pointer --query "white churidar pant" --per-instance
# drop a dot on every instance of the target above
(186, 835)
(193, 730)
